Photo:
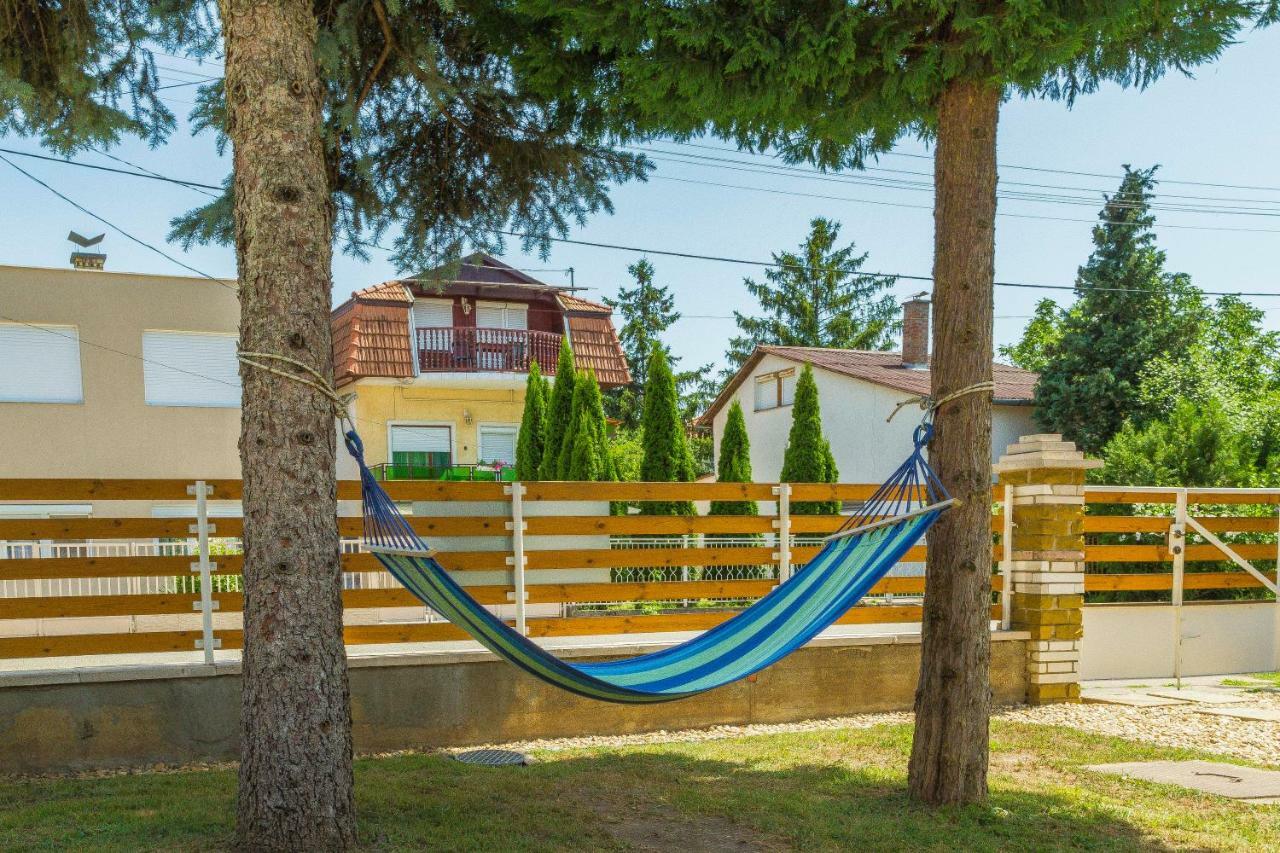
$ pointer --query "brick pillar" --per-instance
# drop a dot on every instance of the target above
(1047, 475)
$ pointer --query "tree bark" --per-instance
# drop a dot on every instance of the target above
(953, 699)
(295, 738)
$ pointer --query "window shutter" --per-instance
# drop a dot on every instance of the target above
(190, 369)
(420, 439)
(432, 313)
(498, 444)
(766, 392)
(517, 316)
(40, 364)
(490, 315)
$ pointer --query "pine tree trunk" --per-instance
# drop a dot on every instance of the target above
(295, 739)
(953, 699)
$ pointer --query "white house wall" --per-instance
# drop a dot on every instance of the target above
(866, 448)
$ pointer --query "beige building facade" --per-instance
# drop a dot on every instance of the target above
(117, 375)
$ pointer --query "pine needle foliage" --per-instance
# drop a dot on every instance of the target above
(533, 426)
(647, 311)
(734, 465)
(1129, 313)
(808, 457)
(817, 298)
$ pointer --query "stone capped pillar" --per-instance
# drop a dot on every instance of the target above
(1047, 475)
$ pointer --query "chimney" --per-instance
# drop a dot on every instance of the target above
(915, 332)
(81, 258)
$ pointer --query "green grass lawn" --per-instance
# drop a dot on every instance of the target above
(1272, 677)
(835, 790)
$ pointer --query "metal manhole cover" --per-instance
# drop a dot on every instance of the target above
(493, 757)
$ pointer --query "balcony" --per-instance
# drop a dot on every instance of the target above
(451, 473)
(483, 350)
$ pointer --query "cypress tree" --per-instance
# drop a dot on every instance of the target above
(533, 426)
(559, 412)
(584, 455)
(734, 465)
(808, 458)
(666, 451)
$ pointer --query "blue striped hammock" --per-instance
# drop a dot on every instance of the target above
(850, 562)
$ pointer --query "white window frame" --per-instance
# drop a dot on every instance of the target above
(159, 363)
(438, 302)
(514, 429)
(779, 379)
(67, 333)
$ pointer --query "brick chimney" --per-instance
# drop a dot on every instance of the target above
(915, 332)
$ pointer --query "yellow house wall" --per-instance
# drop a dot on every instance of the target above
(378, 406)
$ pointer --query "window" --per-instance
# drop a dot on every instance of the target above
(498, 444)
(39, 364)
(420, 452)
(433, 313)
(775, 389)
(190, 369)
(502, 315)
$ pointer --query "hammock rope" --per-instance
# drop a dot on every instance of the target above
(849, 564)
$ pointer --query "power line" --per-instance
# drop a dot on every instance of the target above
(154, 176)
(115, 227)
(904, 276)
(863, 177)
(200, 188)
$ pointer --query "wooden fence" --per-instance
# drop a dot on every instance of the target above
(609, 542)
(611, 545)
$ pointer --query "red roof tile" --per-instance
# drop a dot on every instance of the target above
(371, 334)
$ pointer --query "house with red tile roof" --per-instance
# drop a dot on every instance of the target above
(438, 363)
(858, 391)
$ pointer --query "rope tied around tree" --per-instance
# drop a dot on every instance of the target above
(316, 382)
(929, 405)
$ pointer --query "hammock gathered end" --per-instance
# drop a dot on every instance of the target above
(850, 563)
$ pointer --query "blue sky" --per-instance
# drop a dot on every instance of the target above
(1215, 128)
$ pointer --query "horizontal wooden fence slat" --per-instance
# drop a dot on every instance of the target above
(1160, 524)
(1193, 498)
(68, 606)
(86, 489)
(1160, 553)
(36, 568)
(98, 644)
(1164, 581)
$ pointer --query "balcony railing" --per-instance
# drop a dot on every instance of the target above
(470, 349)
(452, 473)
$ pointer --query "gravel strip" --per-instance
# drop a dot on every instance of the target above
(1168, 725)
(1172, 725)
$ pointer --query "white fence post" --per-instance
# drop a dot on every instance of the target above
(518, 561)
(1006, 561)
(783, 526)
(1178, 548)
(206, 605)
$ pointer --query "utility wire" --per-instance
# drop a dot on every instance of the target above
(115, 227)
(803, 267)
(145, 173)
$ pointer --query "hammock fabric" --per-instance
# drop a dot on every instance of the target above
(850, 563)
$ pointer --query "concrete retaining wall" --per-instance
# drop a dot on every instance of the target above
(78, 720)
